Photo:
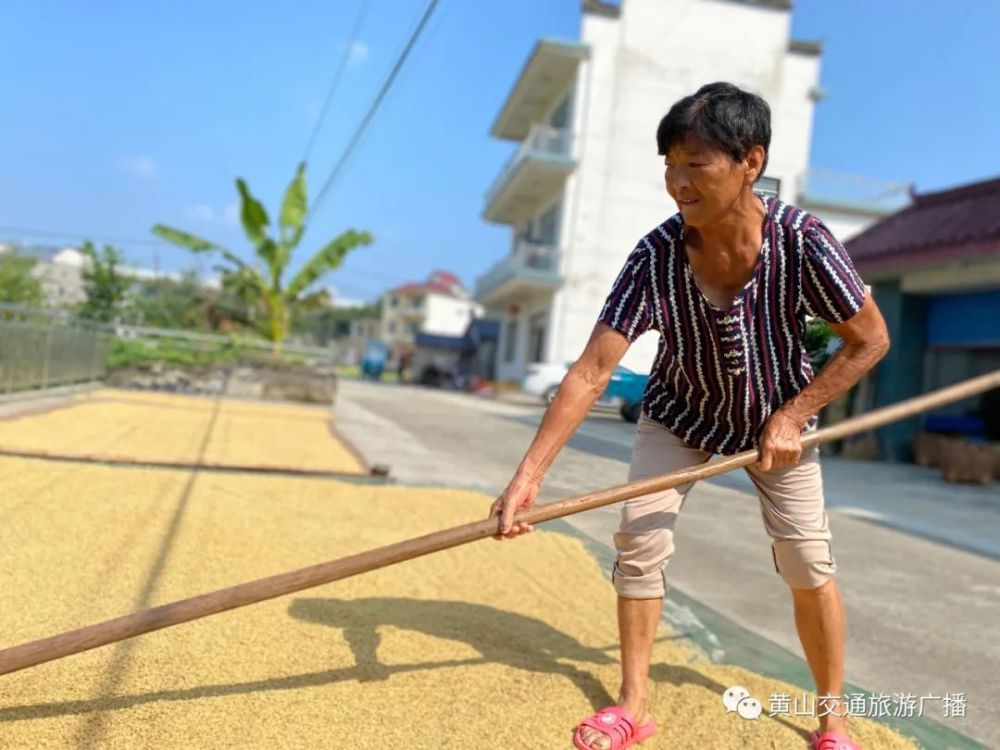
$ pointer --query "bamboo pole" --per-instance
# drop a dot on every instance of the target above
(121, 628)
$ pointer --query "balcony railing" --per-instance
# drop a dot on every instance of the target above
(529, 260)
(853, 191)
(543, 141)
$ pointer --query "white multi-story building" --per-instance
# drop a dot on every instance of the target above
(585, 182)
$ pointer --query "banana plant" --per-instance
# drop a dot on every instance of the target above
(261, 283)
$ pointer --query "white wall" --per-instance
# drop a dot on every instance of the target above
(62, 283)
(396, 320)
(514, 370)
(448, 316)
(657, 52)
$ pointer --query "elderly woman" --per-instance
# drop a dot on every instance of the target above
(728, 283)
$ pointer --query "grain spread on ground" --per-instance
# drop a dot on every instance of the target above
(492, 644)
(140, 426)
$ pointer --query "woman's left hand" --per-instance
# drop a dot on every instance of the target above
(780, 442)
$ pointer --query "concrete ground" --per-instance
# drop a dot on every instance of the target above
(918, 559)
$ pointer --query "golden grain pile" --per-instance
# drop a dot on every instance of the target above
(487, 645)
(165, 427)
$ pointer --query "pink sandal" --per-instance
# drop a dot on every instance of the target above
(619, 725)
(833, 741)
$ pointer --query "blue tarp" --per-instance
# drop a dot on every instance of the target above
(964, 320)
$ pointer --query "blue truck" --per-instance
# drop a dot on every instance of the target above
(628, 387)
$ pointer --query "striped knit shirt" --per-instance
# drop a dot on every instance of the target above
(719, 375)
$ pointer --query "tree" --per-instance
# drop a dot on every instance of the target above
(334, 322)
(262, 284)
(17, 284)
(817, 341)
(106, 287)
(187, 303)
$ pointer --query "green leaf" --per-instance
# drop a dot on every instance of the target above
(314, 301)
(196, 244)
(267, 251)
(271, 253)
(18, 284)
(247, 284)
(183, 239)
(327, 259)
(293, 210)
(252, 214)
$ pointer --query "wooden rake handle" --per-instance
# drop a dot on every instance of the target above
(121, 628)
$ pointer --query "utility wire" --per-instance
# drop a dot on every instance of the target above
(366, 121)
(359, 19)
(12, 234)
(55, 234)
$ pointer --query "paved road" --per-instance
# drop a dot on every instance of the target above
(923, 615)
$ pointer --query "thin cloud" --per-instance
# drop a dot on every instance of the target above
(357, 52)
(228, 215)
(201, 212)
(144, 167)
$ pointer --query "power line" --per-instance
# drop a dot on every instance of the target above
(56, 234)
(386, 85)
(378, 274)
(158, 244)
(359, 19)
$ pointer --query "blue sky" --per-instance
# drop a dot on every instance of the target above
(120, 115)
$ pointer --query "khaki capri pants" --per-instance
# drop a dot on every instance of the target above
(791, 505)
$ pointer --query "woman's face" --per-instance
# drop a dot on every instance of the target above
(706, 182)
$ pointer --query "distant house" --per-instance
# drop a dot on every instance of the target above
(438, 306)
(934, 269)
(361, 330)
(437, 358)
(59, 270)
(366, 328)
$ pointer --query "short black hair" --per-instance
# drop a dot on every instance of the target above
(722, 115)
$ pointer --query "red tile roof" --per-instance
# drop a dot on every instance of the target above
(425, 288)
(439, 282)
(962, 222)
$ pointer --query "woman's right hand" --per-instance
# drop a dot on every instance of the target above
(520, 494)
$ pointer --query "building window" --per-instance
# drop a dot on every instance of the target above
(510, 345)
(769, 186)
(536, 338)
(546, 226)
(560, 115)
(392, 327)
(394, 302)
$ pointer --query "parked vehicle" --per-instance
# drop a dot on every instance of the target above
(625, 387)
(628, 387)
(543, 379)
(375, 358)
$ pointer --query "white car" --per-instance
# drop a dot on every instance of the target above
(543, 380)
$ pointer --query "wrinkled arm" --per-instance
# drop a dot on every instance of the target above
(866, 341)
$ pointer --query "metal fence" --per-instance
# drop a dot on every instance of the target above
(41, 354)
(42, 348)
